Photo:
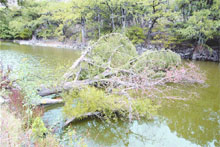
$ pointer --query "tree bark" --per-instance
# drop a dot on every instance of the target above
(99, 26)
(123, 18)
(113, 22)
(70, 73)
(150, 28)
(83, 30)
(90, 114)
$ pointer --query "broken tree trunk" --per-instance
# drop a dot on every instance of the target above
(77, 84)
(90, 114)
(70, 73)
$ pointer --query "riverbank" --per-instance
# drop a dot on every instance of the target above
(21, 124)
(188, 52)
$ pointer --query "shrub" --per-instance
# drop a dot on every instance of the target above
(157, 60)
(135, 34)
(38, 129)
(25, 34)
(50, 141)
(5, 31)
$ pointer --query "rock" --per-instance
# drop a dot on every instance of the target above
(185, 53)
(206, 55)
(202, 54)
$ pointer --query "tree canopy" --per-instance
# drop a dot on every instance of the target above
(158, 21)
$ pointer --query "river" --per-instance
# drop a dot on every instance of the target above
(192, 122)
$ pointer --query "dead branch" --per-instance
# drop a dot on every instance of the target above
(90, 114)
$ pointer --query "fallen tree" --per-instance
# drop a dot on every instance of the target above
(113, 65)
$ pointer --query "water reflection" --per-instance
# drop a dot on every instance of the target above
(198, 119)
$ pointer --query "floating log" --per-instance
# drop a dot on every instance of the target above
(50, 101)
(47, 91)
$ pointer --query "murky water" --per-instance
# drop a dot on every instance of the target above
(195, 122)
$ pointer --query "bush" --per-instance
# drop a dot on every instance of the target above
(25, 34)
(5, 31)
(38, 129)
(135, 34)
(157, 61)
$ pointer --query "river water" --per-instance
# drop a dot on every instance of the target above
(193, 122)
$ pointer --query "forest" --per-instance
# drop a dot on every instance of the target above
(163, 22)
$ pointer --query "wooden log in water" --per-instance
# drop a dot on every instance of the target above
(50, 101)
(47, 91)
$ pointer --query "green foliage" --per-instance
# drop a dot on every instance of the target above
(25, 34)
(38, 128)
(112, 50)
(136, 35)
(200, 20)
(115, 51)
(5, 32)
(46, 33)
(199, 27)
(182, 19)
(143, 107)
(157, 60)
(115, 48)
(90, 99)
(3, 2)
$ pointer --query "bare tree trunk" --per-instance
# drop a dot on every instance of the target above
(150, 29)
(99, 26)
(83, 30)
(113, 21)
(123, 19)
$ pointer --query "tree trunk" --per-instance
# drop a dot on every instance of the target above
(113, 21)
(123, 19)
(99, 26)
(83, 29)
(150, 29)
